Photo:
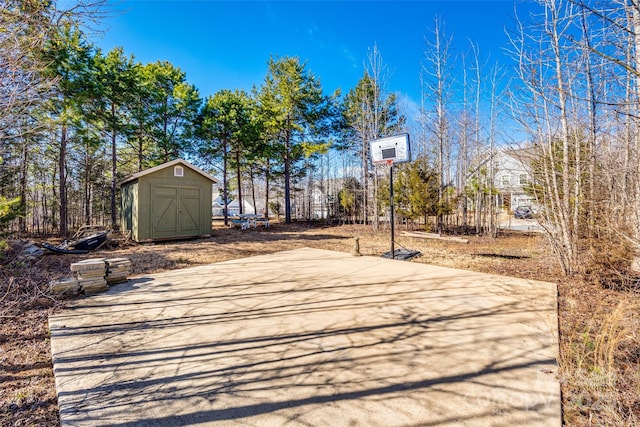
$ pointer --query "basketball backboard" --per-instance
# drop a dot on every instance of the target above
(391, 149)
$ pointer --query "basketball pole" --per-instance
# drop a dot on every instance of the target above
(389, 150)
(393, 255)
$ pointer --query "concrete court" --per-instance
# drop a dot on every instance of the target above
(310, 338)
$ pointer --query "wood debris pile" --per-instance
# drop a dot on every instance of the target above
(92, 276)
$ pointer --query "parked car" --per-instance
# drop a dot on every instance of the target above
(523, 212)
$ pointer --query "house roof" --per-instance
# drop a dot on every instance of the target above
(524, 155)
(232, 203)
(172, 163)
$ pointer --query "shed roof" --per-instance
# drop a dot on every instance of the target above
(168, 165)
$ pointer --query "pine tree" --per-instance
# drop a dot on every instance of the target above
(294, 109)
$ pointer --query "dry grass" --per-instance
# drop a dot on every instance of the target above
(600, 328)
(599, 356)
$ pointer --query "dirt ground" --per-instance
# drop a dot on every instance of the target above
(600, 328)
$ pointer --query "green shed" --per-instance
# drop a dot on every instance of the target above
(169, 201)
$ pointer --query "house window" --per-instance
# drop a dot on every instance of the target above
(506, 180)
(178, 171)
(523, 179)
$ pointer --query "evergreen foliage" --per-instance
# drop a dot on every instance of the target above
(415, 187)
(295, 112)
(227, 129)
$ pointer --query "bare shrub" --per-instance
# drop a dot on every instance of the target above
(607, 262)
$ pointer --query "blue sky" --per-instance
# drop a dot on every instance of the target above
(226, 44)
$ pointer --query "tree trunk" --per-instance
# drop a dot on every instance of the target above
(22, 224)
(253, 190)
(568, 234)
(225, 195)
(365, 179)
(165, 126)
(140, 147)
(287, 177)
(376, 212)
(239, 180)
(593, 132)
(114, 172)
(87, 187)
(62, 182)
(636, 141)
(266, 189)
(309, 192)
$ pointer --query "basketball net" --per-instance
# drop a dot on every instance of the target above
(388, 162)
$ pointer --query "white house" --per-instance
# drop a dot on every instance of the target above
(233, 207)
(512, 174)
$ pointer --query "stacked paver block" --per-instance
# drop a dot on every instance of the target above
(91, 275)
(68, 286)
(117, 270)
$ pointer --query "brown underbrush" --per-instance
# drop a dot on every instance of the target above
(599, 327)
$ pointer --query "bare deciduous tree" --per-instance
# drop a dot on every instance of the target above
(436, 75)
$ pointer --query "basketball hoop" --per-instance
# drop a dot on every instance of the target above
(391, 150)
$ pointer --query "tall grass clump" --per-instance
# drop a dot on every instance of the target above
(600, 366)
